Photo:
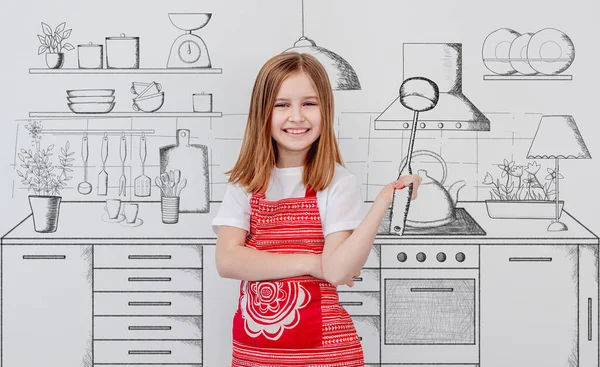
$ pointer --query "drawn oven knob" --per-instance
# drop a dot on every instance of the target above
(441, 257)
(460, 257)
(421, 257)
(402, 257)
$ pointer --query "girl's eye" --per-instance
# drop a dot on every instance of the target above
(280, 105)
(311, 103)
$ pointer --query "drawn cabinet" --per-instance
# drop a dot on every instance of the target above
(148, 305)
(47, 305)
(529, 305)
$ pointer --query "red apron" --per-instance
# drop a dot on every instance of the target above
(296, 321)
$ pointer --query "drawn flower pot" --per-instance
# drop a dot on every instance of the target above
(45, 211)
(523, 209)
(55, 60)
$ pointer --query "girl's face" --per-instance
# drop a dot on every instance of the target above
(296, 120)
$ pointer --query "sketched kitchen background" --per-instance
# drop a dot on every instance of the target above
(240, 39)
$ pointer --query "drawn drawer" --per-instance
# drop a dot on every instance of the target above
(361, 303)
(374, 261)
(149, 304)
(147, 256)
(147, 351)
(368, 329)
(147, 328)
(368, 280)
(148, 280)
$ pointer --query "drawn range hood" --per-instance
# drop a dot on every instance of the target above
(441, 63)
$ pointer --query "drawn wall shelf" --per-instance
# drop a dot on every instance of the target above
(70, 115)
(127, 71)
(527, 77)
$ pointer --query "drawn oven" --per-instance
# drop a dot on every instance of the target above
(430, 305)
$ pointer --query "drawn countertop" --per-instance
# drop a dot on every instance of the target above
(81, 223)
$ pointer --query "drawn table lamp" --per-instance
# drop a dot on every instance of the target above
(341, 74)
(557, 137)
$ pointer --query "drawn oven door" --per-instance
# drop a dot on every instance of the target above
(430, 319)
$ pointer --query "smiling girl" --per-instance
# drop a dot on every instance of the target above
(291, 226)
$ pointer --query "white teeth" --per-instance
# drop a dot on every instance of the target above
(295, 131)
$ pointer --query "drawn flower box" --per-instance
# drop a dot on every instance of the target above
(523, 209)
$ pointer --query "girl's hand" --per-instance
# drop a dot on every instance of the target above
(387, 192)
(350, 282)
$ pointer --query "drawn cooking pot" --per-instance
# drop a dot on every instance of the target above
(123, 52)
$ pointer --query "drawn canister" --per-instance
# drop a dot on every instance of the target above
(123, 52)
(202, 102)
(90, 56)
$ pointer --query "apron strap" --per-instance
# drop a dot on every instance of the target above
(310, 193)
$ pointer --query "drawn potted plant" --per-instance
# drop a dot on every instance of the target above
(519, 193)
(45, 179)
(53, 46)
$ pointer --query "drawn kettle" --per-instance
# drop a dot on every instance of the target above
(434, 206)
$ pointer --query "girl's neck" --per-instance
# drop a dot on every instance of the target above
(288, 161)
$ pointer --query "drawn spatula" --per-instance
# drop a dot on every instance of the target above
(142, 182)
(103, 175)
(418, 94)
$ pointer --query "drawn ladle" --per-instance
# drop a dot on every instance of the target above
(84, 187)
(418, 94)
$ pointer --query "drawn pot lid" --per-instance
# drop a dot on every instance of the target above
(518, 55)
(550, 51)
(495, 51)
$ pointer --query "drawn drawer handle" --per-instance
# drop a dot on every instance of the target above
(149, 279)
(432, 289)
(530, 259)
(149, 327)
(44, 257)
(149, 352)
(351, 303)
(149, 257)
(589, 319)
(151, 304)
(358, 279)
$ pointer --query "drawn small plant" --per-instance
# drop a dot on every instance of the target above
(39, 172)
(52, 41)
(515, 187)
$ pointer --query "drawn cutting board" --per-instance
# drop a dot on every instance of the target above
(192, 161)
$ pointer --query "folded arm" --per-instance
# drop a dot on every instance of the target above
(236, 261)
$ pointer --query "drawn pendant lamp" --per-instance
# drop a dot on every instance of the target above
(341, 74)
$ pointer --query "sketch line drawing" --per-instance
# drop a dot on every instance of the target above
(341, 74)
(189, 50)
(84, 187)
(122, 52)
(52, 44)
(192, 161)
(543, 55)
(123, 156)
(153, 71)
(417, 94)
(142, 183)
(454, 111)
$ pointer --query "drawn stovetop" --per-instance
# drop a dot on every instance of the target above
(124, 131)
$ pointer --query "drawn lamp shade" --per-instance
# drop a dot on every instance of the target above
(557, 137)
(341, 74)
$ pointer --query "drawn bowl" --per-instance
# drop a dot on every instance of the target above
(90, 92)
(496, 50)
(99, 107)
(91, 99)
(189, 21)
(149, 103)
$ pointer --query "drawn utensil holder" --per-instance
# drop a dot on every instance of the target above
(169, 207)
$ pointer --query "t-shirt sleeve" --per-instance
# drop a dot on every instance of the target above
(344, 206)
(235, 209)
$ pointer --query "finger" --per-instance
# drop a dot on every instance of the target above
(350, 283)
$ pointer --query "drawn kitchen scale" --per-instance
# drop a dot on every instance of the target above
(189, 50)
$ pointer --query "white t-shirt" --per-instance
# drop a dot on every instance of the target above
(340, 204)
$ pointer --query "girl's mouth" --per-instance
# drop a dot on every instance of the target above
(296, 131)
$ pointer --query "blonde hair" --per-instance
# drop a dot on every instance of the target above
(258, 153)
